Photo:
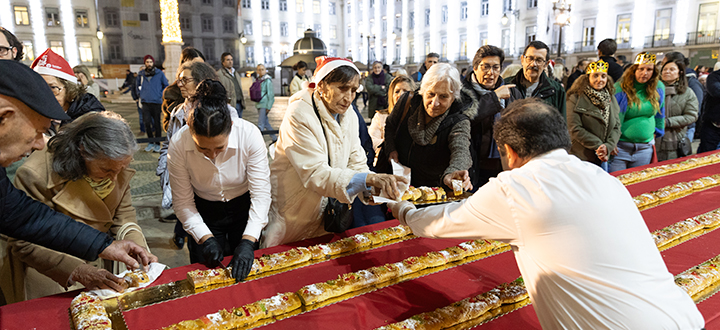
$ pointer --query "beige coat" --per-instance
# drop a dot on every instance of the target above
(31, 271)
(300, 174)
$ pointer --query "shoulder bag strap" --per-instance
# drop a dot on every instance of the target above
(317, 113)
(405, 111)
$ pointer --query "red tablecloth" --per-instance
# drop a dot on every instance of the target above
(396, 302)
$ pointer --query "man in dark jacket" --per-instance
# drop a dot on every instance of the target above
(579, 71)
(27, 106)
(693, 83)
(606, 50)
(710, 129)
(151, 82)
(430, 60)
(487, 89)
(531, 80)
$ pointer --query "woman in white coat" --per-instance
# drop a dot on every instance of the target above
(315, 160)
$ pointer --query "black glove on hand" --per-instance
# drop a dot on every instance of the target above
(242, 260)
(212, 252)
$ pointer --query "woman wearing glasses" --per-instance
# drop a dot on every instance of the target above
(62, 81)
(491, 95)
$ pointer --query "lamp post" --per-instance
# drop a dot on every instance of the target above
(368, 48)
(561, 8)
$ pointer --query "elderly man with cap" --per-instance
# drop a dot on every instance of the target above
(150, 83)
(27, 106)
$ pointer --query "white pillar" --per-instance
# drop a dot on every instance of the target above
(6, 16)
(390, 19)
(473, 31)
(37, 20)
(435, 13)
(404, 52)
(453, 33)
(172, 59)
(419, 41)
(639, 22)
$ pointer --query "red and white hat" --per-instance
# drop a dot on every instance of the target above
(52, 64)
(325, 65)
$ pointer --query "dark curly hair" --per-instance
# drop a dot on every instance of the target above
(211, 116)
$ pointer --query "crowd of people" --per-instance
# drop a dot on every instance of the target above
(442, 124)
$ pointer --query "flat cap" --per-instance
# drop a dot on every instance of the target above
(20, 82)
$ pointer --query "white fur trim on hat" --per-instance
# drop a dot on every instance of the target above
(52, 64)
(327, 64)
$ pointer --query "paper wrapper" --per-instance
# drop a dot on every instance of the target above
(153, 271)
(398, 170)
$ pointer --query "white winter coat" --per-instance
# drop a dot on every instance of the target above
(300, 174)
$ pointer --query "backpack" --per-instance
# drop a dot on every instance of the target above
(256, 91)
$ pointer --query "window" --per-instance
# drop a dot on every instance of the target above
(530, 34)
(505, 40)
(229, 3)
(463, 10)
(484, 7)
(86, 54)
(299, 6)
(265, 4)
(21, 15)
(185, 23)
(427, 46)
(283, 5)
(81, 18)
(372, 3)
(250, 54)
(332, 8)
(267, 55)
(228, 25)
(207, 24)
(266, 28)
(588, 36)
(144, 17)
(28, 50)
(707, 18)
(333, 31)
(444, 14)
(398, 22)
(384, 25)
(397, 52)
(349, 7)
(332, 52)
(112, 19)
(532, 3)
(662, 24)
(245, 3)
(283, 29)
(184, 1)
(247, 27)
(230, 46)
(427, 17)
(57, 47)
(115, 51)
(443, 51)
(300, 30)
(349, 34)
(209, 48)
(207, 2)
(411, 19)
(483, 38)
(463, 46)
(507, 5)
(316, 6)
(623, 28)
(318, 30)
(53, 16)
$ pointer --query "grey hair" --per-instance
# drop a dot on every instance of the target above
(442, 72)
(92, 136)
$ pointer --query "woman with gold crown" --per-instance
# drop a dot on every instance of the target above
(641, 97)
(592, 115)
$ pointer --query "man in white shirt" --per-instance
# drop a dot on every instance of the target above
(582, 247)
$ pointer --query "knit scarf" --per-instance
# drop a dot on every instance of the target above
(149, 72)
(423, 133)
(379, 79)
(103, 188)
(481, 90)
(600, 99)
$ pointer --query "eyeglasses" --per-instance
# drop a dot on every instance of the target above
(185, 80)
(56, 90)
(5, 50)
(486, 67)
(537, 60)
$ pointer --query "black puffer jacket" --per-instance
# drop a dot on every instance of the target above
(83, 104)
(23, 218)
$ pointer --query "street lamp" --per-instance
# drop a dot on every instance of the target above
(561, 8)
(368, 47)
(243, 39)
(505, 19)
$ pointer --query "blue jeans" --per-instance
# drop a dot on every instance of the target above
(239, 108)
(142, 126)
(631, 155)
(264, 122)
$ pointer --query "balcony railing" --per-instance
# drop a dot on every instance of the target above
(585, 46)
(703, 37)
(410, 60)
(623, 43)
(659, 40)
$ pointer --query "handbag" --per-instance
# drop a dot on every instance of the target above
(684, 147)
(383, 163)
(337, 217)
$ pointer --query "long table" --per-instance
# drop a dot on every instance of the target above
(396, 302)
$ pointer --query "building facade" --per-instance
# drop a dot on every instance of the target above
(68, 27)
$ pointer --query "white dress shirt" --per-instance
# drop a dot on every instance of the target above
(242, 167)
(585, 253)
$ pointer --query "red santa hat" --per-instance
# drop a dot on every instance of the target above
(52, 64)
(325, 65)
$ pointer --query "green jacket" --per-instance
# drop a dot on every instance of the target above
(548, 90)
(681, 110)
(587, 127)
(268, 94)
(375, 92)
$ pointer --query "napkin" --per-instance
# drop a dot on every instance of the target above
(153, 271)
(399, 170)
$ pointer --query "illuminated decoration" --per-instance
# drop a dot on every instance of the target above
(100, 34)
(170, 21)
(37, 19)
(6, 17)
(599, 66)
(67, 16)
(645, 58)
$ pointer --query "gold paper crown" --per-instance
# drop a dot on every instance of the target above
(645, 58)
(599, 66)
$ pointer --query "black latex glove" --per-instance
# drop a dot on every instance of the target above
(212, 252)
(242, 260)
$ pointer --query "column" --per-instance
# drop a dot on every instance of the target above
(67, 16)
(390, 19)
(473, 32)
(405, 29)
(37, 21)
(171, 37)
(453, 33)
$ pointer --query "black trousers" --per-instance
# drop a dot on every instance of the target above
(226, 220)
(151, 114)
